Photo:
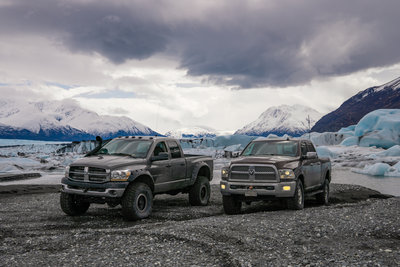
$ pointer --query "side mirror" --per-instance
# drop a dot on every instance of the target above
(311, 155)
(161, 156)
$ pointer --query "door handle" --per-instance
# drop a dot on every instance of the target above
(183, 164)
(168, 166)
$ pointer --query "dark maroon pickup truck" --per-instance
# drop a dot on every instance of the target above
(275, 169)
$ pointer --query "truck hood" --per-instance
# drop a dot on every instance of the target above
(279, 161)
(108, 162)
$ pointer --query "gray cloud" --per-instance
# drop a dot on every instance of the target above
(239, 43)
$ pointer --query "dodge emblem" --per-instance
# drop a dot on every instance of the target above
(251, 171)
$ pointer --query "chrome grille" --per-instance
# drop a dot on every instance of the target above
(77, 172)
(89, 174)
(257, 173)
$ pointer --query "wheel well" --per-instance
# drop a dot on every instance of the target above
(145, 179)
(204, 171)
(328, 175)
(301, 178)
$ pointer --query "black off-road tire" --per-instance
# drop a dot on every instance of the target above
(72, 204)
(231, 205)
(137, 202)
(200, 192)
(323, 198)
(297, 202)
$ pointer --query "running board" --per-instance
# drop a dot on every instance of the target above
(314, 192)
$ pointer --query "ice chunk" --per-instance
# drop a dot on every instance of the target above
(350, 141)
(15, 164)
(380, 169)
(326, 139)
(348, 130)
(229, 140)
(377, 169)
(324, 151)
(394, 170)
(394, 151)
(380, 128)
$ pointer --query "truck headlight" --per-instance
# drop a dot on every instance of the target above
(286, 174)
(120, 175)
(224, 173)
(67, 172)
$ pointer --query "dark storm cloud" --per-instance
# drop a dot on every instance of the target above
(240, 43)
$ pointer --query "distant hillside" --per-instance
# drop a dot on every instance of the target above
(61, 121)
(386, 96)
(291, 120)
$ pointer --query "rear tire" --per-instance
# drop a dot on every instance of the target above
(231, 205)
(199, 194)
(73, 205)
(137, 202)
(297, 202)
(323, 198)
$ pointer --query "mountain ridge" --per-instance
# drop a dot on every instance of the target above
(62, 121)
(280, 120)
(386, 96)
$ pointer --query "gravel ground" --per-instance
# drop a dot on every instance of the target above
(360, 228)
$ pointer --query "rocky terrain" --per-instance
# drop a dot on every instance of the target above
(359, 228)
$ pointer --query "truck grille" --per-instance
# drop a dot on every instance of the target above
(257, 173)
(88, 174)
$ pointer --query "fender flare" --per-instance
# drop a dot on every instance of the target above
(137, 174)
(196, 170)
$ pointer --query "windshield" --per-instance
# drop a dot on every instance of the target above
(278, 148)
(120, 147)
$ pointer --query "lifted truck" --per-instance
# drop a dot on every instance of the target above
(130, 171)
(275, 169)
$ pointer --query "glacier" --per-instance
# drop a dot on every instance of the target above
(380, 128)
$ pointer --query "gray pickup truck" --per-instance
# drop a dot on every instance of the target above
(130, 171)
(275, 169)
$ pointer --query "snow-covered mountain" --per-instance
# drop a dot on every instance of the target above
(191, 132)
(291, 120)
(61, 120)
(386, 96)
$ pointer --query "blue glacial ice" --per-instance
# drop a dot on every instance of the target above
(380, 128)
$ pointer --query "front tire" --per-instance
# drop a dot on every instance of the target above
(231, 205)
(72, 204)
(199, 194)
(137, 202)
(323, 198)
(297, 202)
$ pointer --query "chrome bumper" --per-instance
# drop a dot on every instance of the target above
(95, 192)
(281, 189)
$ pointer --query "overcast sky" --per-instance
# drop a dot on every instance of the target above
(171, 64)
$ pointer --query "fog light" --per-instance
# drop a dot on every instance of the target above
(286, 188)
(223, 186)
(112, 192)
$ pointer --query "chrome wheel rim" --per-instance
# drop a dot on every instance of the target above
(141, 202)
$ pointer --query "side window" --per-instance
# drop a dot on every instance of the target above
(174, 148)
(311, 147)
(304, 149)
(160, 147)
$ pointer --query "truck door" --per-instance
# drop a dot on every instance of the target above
(178, 163)
(316, 167)
(160, 169)
(307, 167)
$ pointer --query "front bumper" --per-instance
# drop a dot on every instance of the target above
(258, 190)
(109, 189)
